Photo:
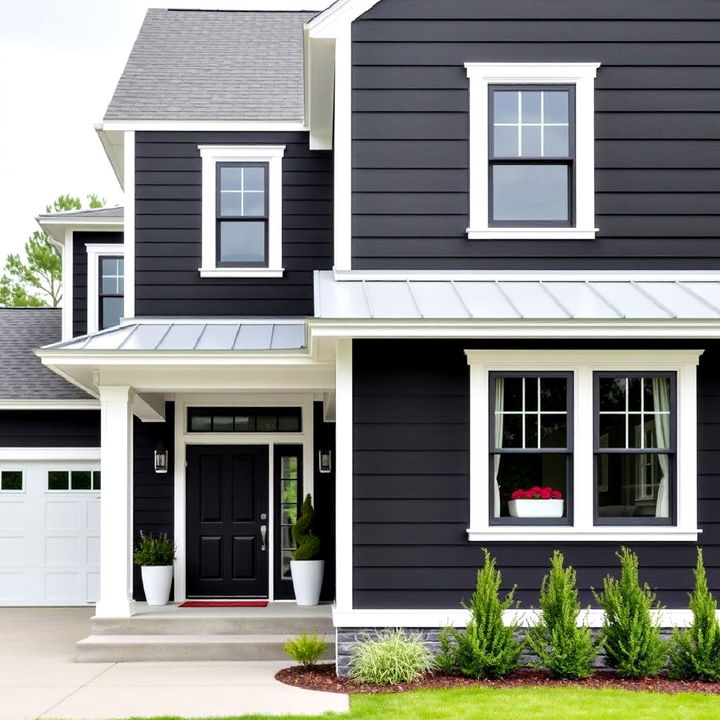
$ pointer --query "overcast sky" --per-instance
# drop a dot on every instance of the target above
(59, 63)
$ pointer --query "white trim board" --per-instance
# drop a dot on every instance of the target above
(203, 126)
(67, 285)
(129, 236)
(438, 618)
(183, 438)
(88, 404)
(11, 454)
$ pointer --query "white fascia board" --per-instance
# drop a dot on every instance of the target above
(70, 454)
(161, 358)
(39, 404)
(438, 618)
(338, 14)
(527, 275)
(516, 329)
(205, 126)
(56, 228)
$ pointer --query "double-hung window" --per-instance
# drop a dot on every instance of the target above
(105, 285)
(532, 150)
(611, 436)
(241, 211)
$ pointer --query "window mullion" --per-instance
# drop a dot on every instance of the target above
(583, 449)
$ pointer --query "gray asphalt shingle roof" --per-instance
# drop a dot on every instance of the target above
(23, 376)
(109, 212)
(214, 65)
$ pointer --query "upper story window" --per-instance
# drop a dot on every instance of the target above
(105, 286)
(242, 211)
(609, 436)
(532, 150)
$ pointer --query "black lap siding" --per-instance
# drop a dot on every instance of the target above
(49, 428)
(656, 127)
(80, 273)
(153, 493)
(168, 221)
(411, 488)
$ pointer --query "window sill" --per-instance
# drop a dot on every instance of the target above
(616, 533)
(543, 233)
(241, 272)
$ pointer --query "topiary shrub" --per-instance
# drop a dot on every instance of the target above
(487, 648)
(563, 648)
(630, 635)
(308, 545)
(694, 652)
(306, 649)
(390, 658)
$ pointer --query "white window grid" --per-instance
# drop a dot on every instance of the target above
(116, 275)
(242, 191)
(520, 124)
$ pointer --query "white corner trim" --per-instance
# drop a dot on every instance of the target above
(94, 252)
(129, 218)
(221, 272)
(67, 286)
(69, 454)
(582, 364)
(438, 618)
(582, 76)
(212, 155)
(344, 476)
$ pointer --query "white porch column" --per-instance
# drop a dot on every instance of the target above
(116, 525)
(344, 476)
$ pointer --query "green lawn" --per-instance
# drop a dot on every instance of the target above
(522, 704)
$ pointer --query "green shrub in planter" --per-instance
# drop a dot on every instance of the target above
(154, 551)
(630, 635)
(308, 545)
(390, 658)
(488, 647)
(695, 651)
(306, 649)
(566, 650)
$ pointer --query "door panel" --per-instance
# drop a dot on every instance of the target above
(227, 492)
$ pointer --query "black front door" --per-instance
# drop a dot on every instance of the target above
(227, 521)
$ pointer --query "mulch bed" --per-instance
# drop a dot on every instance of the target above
(323, 677)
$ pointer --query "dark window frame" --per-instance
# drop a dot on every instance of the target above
(568, 451)
(570, 161)
(101, 294)
(220, 219)
(283, 586)
(211, 412)
(671, 451)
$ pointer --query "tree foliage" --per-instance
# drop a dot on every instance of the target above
(34, 278)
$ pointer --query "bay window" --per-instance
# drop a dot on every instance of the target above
(613, 433)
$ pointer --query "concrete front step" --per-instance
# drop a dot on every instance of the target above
(213, 624)
(137, 648)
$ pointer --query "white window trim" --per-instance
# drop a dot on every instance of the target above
(211, 156)
(94, 252)
(582, 76)
(583, 363)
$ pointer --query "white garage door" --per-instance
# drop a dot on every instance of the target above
(49, 533)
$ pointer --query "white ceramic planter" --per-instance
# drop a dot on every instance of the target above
(536, 508)
(157, 580)
(307, 577)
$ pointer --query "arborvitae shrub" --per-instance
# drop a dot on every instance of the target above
(487, 648)
(695, 651)
(308, 545)
(630, 635)
(566, 650)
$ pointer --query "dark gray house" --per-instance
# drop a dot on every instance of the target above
(462, 248)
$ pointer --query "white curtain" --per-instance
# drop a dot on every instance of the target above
(499, 418)
(661, 403)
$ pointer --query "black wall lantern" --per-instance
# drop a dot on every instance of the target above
(325, 461)
(161, 458)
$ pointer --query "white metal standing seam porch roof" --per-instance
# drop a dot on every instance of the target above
(184, 335)
(649, 296)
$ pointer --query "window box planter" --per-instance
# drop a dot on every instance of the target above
(536, 508)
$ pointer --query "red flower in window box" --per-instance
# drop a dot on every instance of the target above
(537, 502)
(536, 493)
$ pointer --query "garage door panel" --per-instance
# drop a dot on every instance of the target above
(49, 540)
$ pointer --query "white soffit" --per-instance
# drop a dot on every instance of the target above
(184, 335)
(556, 298)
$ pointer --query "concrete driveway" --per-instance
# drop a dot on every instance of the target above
(39, 679)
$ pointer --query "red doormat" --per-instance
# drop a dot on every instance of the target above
(224, 603)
